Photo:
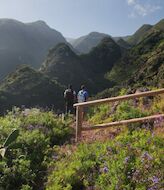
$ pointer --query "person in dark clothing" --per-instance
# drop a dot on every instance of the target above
(70, 99)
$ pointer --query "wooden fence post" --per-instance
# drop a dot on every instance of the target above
(79, 121)
(80, 107)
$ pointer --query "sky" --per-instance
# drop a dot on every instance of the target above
(75, 18)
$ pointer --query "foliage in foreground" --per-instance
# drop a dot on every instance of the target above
(129, 162)
(25, 163)
(135, 108)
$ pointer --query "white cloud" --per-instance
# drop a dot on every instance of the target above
(140, 9)
(131, 2)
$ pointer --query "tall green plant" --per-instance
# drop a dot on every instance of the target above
(9, 140)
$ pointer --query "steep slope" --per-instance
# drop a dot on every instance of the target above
(85, 43)
(28, 87)
(100, 60)
(151, 73)
(123, 44)
(125, 38)
(159, 25)
(64, 65)
(139, 34)
(102, 57)
(143, 65)
(24, 43)
(67, 67)
(70, 40)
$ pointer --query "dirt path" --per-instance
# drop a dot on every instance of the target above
(99, 134)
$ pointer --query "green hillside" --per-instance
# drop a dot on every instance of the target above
(31, 88)
(67, 67)
(40, 152)
(108, 65)
(142, 64)
(84, 44)
(159, 25)
(124, 44)
(37, 146)
(64, 65)
(139, 34)
(25, 43)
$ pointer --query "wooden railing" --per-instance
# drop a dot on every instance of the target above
(80, 107)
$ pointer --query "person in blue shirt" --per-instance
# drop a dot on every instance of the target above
(82, 95)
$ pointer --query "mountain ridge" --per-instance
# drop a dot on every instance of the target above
(22, 43)
(106, 66)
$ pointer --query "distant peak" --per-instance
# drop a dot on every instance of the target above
(9, 20)
(162, 20)
(146, 25)
(39, 23)
(94, 33)
(61, 49)
(159, 25)
(107, 39)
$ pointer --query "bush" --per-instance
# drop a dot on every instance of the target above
(25, 162)
(129, 162)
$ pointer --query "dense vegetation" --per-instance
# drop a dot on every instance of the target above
(31, 88)
(132, 160)
(37, 159)
(143, 64)
(128, 162)
(37, 150)
(24, 166)
(110, 64)
(127, 109)
(67, 67)
(84, 44)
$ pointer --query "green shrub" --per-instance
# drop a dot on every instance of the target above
(129, 162)
(25, 163)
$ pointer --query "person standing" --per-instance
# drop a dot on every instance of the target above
(82, 95)
(70, 98)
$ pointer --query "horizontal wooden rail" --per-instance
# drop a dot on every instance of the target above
(119, 98)
(123, 122)
(80, 106)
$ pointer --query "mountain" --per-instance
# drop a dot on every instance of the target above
(28, 87)
(67, 67)
(100, 60)
(107, 66)
(139, 34)
(125, 38)
(22, 43)
(159, 25)
(102, 57)
(150, 70)
(124, 44)
(142, 32)
(85, 43)
(70, 40)
(64, 65)
(44, 88)
(142, 65)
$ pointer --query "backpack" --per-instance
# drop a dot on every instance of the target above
(69, 95)
(81, 96)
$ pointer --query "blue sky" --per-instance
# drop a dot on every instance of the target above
(74, 18)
